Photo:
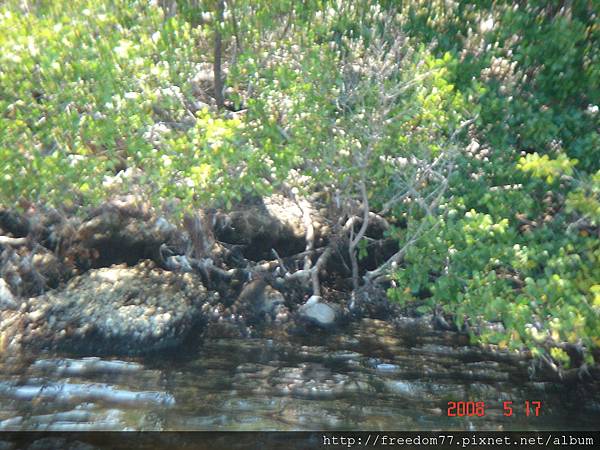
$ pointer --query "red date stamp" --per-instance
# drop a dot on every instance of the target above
(470, 408)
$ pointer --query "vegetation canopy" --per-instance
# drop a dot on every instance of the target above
(468, 132)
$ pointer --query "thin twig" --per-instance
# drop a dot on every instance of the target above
(312, 273)
(279, 260)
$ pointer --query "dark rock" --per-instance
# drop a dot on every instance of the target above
(274, 222)
(371, 301)
(13, 223)
(270, 300)
(123, 230)
(258, 300)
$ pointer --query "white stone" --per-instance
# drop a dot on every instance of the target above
(7, 299)
(320, 313)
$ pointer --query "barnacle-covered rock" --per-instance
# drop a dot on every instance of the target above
(115, 310)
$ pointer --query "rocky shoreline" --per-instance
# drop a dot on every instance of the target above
(124, 280)
(123, 310)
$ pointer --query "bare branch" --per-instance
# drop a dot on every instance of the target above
(308, 227)
(397, 257)
(279, 260)
(387, 206)
(314, 276)
(312, 273)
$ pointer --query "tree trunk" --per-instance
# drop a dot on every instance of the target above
(218, 80)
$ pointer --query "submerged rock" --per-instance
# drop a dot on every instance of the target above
(85, 366)
(115, 310)
(80, 392)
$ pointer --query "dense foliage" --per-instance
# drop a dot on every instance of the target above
(474, 129)
(519, 242)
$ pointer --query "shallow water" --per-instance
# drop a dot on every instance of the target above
(371, 376)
